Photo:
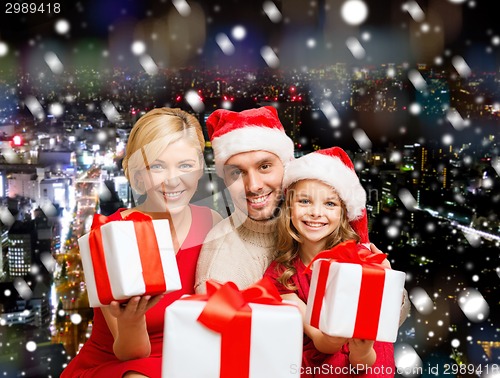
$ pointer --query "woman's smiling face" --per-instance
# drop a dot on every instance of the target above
(171, 180)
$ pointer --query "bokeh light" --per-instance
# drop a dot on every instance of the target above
(354, 12)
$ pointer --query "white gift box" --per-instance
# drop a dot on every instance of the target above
(122, 257)
(192, 350)
(338, 307)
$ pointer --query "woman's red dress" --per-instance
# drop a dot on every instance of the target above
(96, 358)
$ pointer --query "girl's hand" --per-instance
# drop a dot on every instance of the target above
(335, 342)
(361, 352)
(322, 342)
(385, 263)
(360, 346)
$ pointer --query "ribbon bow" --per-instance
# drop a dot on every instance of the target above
(152, 269)
(351, 252)
(99, 220)
(225, 302)
(228, 313)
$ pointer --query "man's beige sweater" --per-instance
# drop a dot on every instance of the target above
(237, 249)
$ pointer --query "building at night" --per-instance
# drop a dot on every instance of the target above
(20, 251)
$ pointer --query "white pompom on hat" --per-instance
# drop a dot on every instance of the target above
(333, 167)
(256, 129)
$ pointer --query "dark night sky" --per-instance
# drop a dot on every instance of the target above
(468, 29)
(99, 14)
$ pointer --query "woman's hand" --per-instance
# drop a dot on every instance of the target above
(134, 309)
(127, 323)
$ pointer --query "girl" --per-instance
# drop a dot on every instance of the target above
(163, 163)
(324, 206)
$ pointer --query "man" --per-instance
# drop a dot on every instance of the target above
(250, 151)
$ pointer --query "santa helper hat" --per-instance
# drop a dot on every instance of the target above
(334, 167)
(257, 129)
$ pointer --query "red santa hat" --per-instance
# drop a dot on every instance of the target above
(257, 129)
(334, 167)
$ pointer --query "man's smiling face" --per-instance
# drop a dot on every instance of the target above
(254, 181)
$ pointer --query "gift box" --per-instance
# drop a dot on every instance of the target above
(126, 258)
(227, 334)
(352, 295)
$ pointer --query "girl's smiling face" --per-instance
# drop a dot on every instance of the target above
(315, 210)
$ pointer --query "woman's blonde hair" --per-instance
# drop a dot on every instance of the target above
(289, 240)
(153, 132)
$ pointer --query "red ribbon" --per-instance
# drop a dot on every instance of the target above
(369, 303)
(149, 253)
(371, 290)
(227, 312)
(324, 268)
(351, 252)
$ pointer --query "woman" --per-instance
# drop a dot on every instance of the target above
(163, 163)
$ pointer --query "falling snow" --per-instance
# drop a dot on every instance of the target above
(355, 47)
(362, 139)
(239, 32)
(354, 12)
(138, 48)
(225, 44)
(194, 100)
(4, 49)
(438, 223)
(272, 11)
(62, 26)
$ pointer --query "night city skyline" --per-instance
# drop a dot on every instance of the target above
(412, 93)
